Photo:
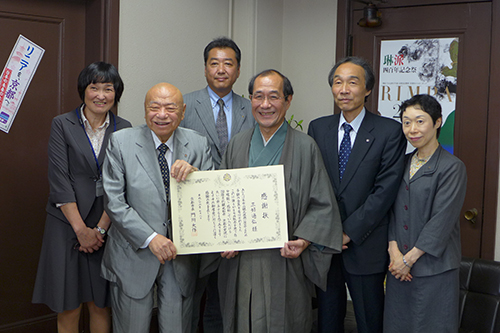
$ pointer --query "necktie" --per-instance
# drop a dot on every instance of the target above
(345, 149)
(164, 168)
(221, 126)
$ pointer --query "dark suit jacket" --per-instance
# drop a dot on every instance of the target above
(72, 166)
(199, 116)
(368, 187)
(426, 213)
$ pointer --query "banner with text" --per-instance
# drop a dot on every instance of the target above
(16, 78)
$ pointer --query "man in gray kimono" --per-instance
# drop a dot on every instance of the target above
(271, 290)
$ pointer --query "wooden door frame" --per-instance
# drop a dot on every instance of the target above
(490, 201)
(102, 31)
(101, 44)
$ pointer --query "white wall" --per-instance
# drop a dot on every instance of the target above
(163, 40)
(309, 39)
(257, 29)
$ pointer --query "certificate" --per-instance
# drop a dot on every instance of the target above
(224, 210)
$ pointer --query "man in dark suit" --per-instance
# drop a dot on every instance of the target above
(219, 114)
(364, 155)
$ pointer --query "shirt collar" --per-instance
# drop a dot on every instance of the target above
(169, 143)
(214, 98)
(105, 124)
(356, 123)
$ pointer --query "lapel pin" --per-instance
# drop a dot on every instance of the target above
(367, 140)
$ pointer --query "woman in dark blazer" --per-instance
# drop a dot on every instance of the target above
(424, 230)
(69, 268)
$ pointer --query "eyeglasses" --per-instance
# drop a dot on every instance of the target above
(260, 98)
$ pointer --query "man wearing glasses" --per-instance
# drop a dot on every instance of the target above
(270, 290)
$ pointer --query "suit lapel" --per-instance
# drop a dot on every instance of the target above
(80, 137)
(109, 130)
(146, 154)
(203, 109)
(238, 114)
(428, 168)
(330, 140)
(181, 152)
(406, 173)
(362, 144)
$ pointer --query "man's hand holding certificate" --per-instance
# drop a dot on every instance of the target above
(226, 210)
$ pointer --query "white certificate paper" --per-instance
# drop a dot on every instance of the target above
(224, 210)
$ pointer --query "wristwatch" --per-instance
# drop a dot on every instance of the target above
(102, 231)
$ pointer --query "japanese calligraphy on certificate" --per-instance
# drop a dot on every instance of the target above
(223, 210)
(16, 78)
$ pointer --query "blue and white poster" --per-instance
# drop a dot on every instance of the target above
(16, 78)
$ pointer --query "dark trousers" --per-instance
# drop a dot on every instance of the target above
(212, 318)
(367, 294)
(206, 298)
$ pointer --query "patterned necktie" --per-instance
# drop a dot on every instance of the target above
(164, 167)
(221, 126)
(345, 149)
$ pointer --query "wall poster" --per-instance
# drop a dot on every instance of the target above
(420, 66)
(16, 78)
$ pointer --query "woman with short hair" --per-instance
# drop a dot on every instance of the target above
(424, 230)
(73, 243)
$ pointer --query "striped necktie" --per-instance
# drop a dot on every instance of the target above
(221, 126)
